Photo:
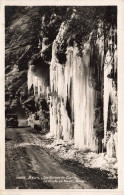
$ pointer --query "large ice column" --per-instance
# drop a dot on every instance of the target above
(60, 95)
(72, 99)
(110, 74)
(53, 103)
(83, 101)
(60, 123)
(107, 88)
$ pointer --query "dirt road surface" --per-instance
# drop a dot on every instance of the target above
(29, 166)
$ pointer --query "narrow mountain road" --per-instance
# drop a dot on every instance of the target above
(29, 166)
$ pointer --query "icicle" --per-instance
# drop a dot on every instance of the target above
(107, 89)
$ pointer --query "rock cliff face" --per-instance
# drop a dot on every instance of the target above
(21, 39)
(71, 64)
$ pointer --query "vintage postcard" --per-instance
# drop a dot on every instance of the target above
(62, 97)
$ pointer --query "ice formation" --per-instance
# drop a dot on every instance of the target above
(82, 91)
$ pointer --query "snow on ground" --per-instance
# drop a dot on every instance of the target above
(66, 150)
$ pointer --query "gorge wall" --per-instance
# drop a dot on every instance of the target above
(71, 69)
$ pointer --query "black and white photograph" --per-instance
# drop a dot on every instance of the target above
(61, 97)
